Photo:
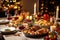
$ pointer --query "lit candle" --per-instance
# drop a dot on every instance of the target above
(30, 17)
(57, 11)
(20, 18)
(27, 17)
(51, 20)
(52, 28)
(34, 8)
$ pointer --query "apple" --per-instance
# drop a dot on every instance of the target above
(47, 38)
(55, 36)
(46, 17)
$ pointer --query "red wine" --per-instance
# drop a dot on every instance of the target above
(16, 18)
(21, 27)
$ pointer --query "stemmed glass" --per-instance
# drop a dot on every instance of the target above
(9, 17)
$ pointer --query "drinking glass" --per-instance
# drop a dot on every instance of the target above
(9, 17)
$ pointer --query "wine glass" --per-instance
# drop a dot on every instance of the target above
(21, 27)
(16, 17)
(9, 17)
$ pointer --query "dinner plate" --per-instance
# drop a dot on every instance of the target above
(10, 30)
(4, 21)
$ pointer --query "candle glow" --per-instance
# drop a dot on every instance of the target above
(27, 17)
(52, 28)
(30, 17)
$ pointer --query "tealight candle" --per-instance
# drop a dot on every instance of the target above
(52, 28)
(30, 17)
(20, 17)
(27, 17)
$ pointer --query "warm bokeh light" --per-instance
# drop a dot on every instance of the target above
(27, 17)
(15, 7)
(30, 17)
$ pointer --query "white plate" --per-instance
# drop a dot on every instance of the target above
(4, 21)
(10, 28)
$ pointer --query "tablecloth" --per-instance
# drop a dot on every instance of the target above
(13, 37)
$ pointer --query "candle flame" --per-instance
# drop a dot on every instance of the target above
(27, 17)
(57, 7)
(30, 17)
